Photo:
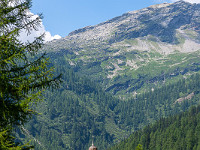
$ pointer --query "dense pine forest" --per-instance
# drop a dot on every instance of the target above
(178, 132)
(73, 114)
(161, 102)
(80, 109)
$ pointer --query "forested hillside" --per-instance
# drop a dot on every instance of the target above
(179, 132)
(160, 102)
(80, 109)
(73, 114)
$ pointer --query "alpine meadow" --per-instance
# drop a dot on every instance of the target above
(129, 83)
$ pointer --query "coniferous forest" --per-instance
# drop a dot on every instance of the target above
(80, 109)
(180, 131)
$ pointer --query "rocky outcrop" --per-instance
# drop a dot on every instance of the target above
(188, 97)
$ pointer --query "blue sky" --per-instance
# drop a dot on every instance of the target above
(64, 16)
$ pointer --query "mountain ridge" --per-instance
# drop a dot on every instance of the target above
(118, 52)
(102, 33)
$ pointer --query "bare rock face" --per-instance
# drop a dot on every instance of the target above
(159, 38)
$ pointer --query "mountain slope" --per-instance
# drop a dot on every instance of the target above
(71, 115)
(80, 109)
(177, 132)
(138, 49)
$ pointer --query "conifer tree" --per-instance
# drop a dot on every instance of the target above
(24, 70)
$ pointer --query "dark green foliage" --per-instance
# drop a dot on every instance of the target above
(179, 132)
(24, 73)
(7, 142)
(72, 115)
(150, 106)
(80, 109)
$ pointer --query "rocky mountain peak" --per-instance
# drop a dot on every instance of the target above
(166, 23)
(160, 5)
(161, 21)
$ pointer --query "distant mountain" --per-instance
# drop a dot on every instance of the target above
(138, 49)
(175, 132)
(163, 21)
